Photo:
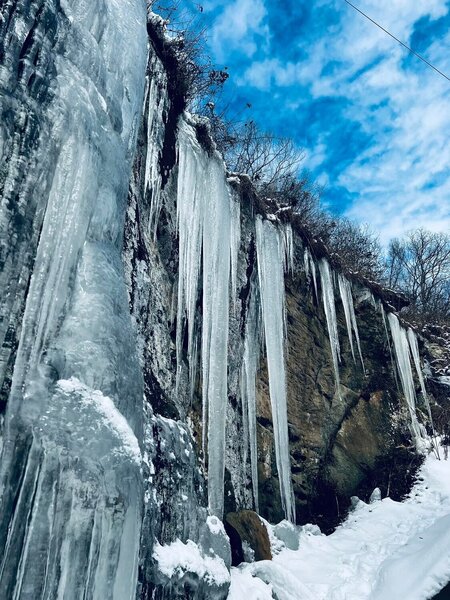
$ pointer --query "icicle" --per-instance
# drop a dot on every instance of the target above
(157, 104)
(345, 289)
(235, 244)
(271, 281)
(310, 269)
(248, 389)
(401, 346)
(288, 245)
(306, 263)
(414, 348)
(190, 210)
(216, 276)
(208, 223)
(312, 265)
(330, 313)
(383, 315)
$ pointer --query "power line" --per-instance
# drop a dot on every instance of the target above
(397, 40)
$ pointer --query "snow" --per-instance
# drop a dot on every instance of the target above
(384, 550)
(106, 412)
(178, 558)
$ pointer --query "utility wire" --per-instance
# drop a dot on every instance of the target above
(397, 40)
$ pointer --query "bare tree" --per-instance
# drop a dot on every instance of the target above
(419, 265)
(271, 162)
(357, 247)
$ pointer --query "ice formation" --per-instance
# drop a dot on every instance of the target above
(70, 469)
(345, 289)
(270, 252)
(208, 226)
(250, 365)
(401, 346)
(310, 269)
(155, 107)
(330, 313)
(414, 349)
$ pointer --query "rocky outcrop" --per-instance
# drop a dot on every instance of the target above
(248, 537)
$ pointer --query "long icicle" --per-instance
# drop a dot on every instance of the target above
(401, 347)
(330, 313)
(208, 226)
(345, 289)
(271, 280)
(248, 388)
(414, 349)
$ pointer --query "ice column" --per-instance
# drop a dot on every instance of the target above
(345, 290)
(192, 186)
(330, 313)
(401, 346)
(248, 388)
(271, 280)
(208, 225)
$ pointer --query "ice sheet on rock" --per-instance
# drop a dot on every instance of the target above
(401, 346)
(271, 282)
(72, 490)
(345, 290)
(330, 314)
(155, 108)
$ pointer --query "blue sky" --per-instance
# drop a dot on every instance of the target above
(374, 120)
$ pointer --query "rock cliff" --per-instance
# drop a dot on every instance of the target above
(174, 348)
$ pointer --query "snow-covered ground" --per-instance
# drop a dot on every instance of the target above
(385, 550)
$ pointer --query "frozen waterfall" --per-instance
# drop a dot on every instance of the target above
(70, 479)
(270, 251)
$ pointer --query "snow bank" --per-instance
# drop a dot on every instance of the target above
(383, 551)
(177, 558)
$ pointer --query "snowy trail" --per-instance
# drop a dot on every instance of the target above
(384, 551)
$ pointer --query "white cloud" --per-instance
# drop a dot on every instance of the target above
(237, 27)
(395, 179)
(403, 179)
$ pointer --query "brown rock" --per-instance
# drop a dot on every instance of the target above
(246, 526)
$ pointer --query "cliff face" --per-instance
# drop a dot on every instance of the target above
(172, 354)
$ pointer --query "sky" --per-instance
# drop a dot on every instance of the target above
(374, 120)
